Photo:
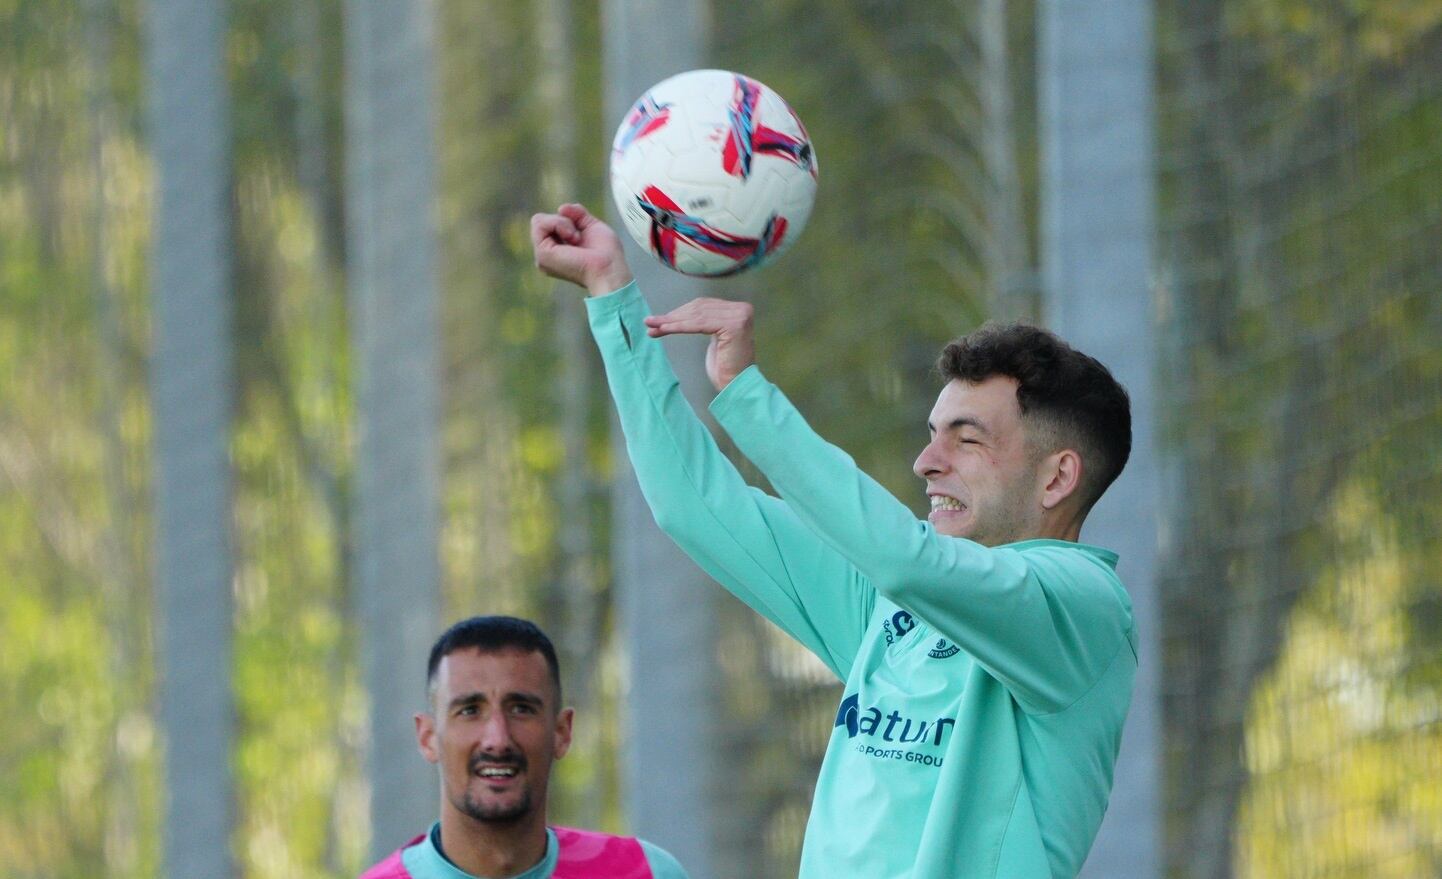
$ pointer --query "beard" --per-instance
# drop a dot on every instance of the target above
(999, 527)
(495, 813)
(1005, 519)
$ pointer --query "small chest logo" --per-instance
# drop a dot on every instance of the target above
(895, 628)
(942, 649)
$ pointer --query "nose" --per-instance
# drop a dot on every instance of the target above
(496, 733)
(930, 463)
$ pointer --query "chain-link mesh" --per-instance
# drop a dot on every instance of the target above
(1301, 212)
(1301, 186)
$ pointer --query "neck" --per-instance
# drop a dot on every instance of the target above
(1059, 525)
(483, 848)
(1064, 525)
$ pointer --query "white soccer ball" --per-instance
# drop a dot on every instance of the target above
(713, 173)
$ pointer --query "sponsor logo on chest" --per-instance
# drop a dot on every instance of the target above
(943, 649)
(912, 738)
(895, 629)
(901, 623)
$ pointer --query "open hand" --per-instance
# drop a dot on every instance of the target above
(729, 324)
(573, 245)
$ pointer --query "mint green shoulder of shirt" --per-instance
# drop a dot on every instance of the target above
(1073, 557)
(425, 861)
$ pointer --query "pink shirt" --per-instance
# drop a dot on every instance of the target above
(577, 854)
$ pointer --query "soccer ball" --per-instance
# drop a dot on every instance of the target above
(713, 173)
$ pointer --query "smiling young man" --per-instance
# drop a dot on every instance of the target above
(495, 727)
(988, 656)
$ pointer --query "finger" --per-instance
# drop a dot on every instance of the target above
(681, 329)
(559, 261)
(552, 227)
(541, 226)
(552, 255)
(576, 213)
(700, 323)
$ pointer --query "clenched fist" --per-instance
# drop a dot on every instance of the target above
(576, 246)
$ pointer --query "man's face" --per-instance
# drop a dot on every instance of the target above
(495, 730)
(980, 477)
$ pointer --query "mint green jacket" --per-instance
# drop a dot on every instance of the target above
(985, 687)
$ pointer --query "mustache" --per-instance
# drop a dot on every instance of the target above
(505, 758)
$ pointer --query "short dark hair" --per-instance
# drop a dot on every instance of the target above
(1086, 406)
(491, 634)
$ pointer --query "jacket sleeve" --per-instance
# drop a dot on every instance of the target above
(1046, 622)
(750, 542)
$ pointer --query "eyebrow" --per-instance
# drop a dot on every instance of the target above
(517, 696)
(963, 421)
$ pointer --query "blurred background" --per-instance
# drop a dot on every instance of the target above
(281, 395)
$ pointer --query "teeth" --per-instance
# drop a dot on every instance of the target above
(941, 502)
(498, 773)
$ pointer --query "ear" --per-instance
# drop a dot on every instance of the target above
(563, 731)
(426, 738)
(1061, 477)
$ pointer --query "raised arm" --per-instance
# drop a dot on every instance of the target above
(1046, 618)
(751, 543)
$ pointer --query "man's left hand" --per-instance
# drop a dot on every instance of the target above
(729, 324)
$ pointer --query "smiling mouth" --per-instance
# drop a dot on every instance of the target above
(497, 768)
(498, 772)
(940, 503)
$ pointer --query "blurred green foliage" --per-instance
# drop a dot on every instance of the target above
(1301, 210)
(1299, 283)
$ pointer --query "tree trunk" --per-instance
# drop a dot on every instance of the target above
(1010, 281)
(665, 602)
(1098, 225)
(395, 328)
(192, 387)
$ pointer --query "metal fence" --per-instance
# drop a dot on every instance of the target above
(1300, 216)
